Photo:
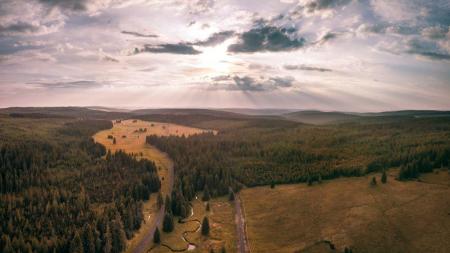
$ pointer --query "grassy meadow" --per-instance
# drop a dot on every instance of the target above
(411, 216)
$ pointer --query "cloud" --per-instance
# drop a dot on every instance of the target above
(73, 5)
(266, 38)
(306, 68)
(312, 6)
(18, 28)
(214, 39)
(435, 32)
(427, 49)
(249, 83)
(136, 34)
(68, 85)
(180, 48)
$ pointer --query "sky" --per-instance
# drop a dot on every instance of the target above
(331, 55)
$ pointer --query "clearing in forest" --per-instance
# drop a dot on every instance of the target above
(411, 216)
(129, 136)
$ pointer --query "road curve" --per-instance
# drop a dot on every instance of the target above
(241, 232)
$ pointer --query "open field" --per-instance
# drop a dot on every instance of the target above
(347, 212)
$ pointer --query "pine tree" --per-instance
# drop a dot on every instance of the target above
(156, 236)
(119, 238)
(76, 246)
(159, 200)
(205, 226)
(231, 196)
(319, 180)
(206, 195)
(384, 177)
(88, 239)
(374, 181)
(272, 184)
(208, 208)
(168, 223)
(107, 244)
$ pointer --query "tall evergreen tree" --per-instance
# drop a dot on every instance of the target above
(157, 236)
(76, 246)
(384, 177)
(205, 226)
(168, 224)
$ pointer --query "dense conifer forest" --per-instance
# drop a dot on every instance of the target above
(261, 154)
(59, 195)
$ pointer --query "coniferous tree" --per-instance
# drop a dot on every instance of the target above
(157, 236)
(107, 246)
(373, 182)
(168, 224)
(205, 226)
(208, 208)
(206, 195)
(231, 196)
(159, 200)
(384, 177)
(76, 246)
(88, 239)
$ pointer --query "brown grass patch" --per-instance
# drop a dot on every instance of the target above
(393, 217)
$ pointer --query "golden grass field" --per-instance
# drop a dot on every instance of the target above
(394, 217)
(221, 214)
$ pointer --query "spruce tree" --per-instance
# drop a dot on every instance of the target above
(159, 200)
(231, 196)
(157, 236)
(384, 177)
(374, 181)
(205, 226)
(76, 246)
(206, 195)
(168, 223)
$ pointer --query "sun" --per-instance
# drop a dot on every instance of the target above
(216, 58)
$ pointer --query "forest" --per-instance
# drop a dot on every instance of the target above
(59, 195)
(255, 153)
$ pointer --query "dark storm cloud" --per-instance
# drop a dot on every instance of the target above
(214, 39)
(180, 48)
(136, 34)
(68, 85)
(266, 38)
(18, 28)
(306, 68)
(72, 5)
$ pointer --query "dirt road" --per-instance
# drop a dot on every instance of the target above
(242, 243)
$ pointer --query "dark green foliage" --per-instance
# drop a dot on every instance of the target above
(231, 196)
(373, 182)
(51, 181)
(156, 236)
(168, 224)
(272, 184)
(254, 152)
(384, 177)
(205, 226)
(159, 200)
